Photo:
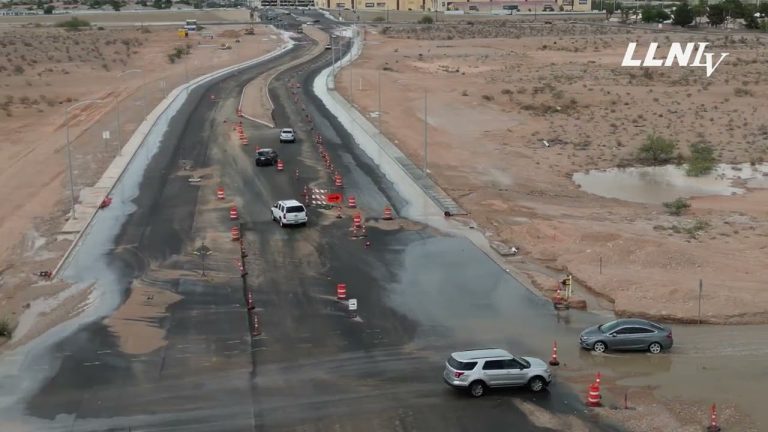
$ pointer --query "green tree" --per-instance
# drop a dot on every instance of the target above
(656, 150)
(683, 15)
(700, 11)
(702, 160)
(426, 19)
(116, 5)
(48, 10)
(609, 10)
(734, 8)
(625, 12)
(716, 14)
(651, 14)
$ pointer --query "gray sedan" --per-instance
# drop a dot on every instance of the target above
(628, 335)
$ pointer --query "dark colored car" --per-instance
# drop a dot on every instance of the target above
(627, 335)
(266, 157)
(548, 8)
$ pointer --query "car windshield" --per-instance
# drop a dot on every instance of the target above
(609, 327)
(263, 153)
(294, 209)
(524, 362)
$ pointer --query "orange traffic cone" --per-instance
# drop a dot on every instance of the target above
(593, 396)
(553, 361)
(713, 426)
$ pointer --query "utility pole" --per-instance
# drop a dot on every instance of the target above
(117, 112)
(701, 289)
(425, 131)
(379, 110)
(69, 151)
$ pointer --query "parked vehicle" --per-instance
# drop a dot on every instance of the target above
(266, 157)
(481, 369)
(548, 8)
(287, 135)
(628, 335)
(289, 212)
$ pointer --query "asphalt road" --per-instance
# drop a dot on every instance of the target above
(421, 294)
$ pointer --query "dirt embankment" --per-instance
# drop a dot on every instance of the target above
(497, 93)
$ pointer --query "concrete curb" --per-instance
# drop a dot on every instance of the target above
(375, 144)
(129, 150)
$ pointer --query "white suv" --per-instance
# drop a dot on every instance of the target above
(289, 212)
(480, 369)
(287, 135)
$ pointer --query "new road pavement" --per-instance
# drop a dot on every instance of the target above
(421, 293)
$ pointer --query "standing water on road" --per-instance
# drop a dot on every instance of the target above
(655, 185)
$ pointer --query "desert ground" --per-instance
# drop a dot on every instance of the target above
(497, 92)
(43, 70)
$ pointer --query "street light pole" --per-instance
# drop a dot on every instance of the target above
(379, 101)
(69, 151)
(117, 112)
(425, 131)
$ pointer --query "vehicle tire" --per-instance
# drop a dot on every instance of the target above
(599, 347)
(537, 384)
(477, 388)
(655, 348)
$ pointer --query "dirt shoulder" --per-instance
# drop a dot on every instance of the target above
(38, 84)
(256, 103)
(495, 98)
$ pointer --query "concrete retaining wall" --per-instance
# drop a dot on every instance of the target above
(409, 180)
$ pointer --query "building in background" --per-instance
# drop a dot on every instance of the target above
(469, 7)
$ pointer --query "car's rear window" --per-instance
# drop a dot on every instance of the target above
(461, 366)
(294, 209)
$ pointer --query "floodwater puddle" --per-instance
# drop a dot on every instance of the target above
(655, 185)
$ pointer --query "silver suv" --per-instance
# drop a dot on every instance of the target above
(480, 369)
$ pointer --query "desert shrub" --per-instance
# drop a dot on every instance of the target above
(677, 207)
(5, 327)
(741, 92)
(378, 19)
(74, 23)
(506, 91)
(656, 150)
(464, 93)
(486, 97)
(426, 19)
(702, 160)
(691, 230)
(18, 69)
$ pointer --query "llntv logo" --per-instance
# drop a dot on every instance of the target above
(676, 55)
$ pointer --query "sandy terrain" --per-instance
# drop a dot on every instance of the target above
(135, 323)
(37, 83)
(491, 103)
(256, 103)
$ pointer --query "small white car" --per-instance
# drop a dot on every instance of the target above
(287, 135)
(289, 212)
